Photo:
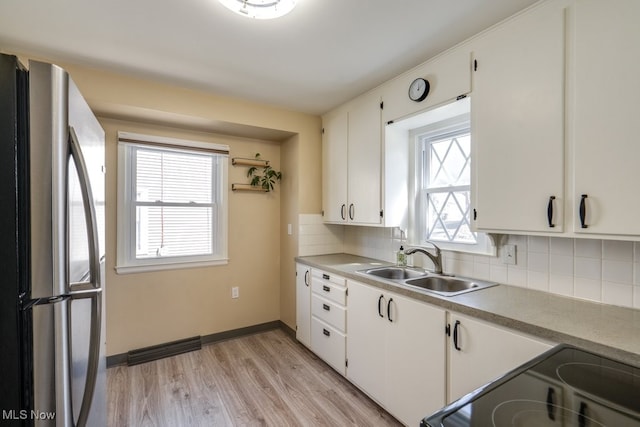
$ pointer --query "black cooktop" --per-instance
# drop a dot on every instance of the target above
(565, 387)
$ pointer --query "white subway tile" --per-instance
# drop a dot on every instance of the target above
(588, 268)
(538, 244)
(538, 262)
(588, 248)
(615, 250)
(588, 289)
(561, 246)
(561, 285)
(481, 271)
(617, 294)
(617, 271)
(561, 265)
(516, 277)
(498, 274)
(538, 281)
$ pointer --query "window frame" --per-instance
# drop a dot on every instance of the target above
(437, 129)
(127, 261)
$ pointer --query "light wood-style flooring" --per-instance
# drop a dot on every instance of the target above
(266, 379)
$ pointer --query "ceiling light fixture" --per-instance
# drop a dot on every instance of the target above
(260, 9)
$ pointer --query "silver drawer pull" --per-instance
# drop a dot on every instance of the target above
(326, 277)
(326, 288)
(326, 307)
(327, 333)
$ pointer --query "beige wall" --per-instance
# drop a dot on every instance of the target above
(150, 308)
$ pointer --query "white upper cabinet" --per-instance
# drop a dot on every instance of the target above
(517, 113)
(448, 76)
(604, 107)
(334, 166)
(364, 159)
(352, 162)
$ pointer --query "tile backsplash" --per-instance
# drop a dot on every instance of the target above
(605, 271)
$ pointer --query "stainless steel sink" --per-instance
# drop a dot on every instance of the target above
(440, 284)
(395, 273)
(448, 286)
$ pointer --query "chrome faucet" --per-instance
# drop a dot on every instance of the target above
(436, 259)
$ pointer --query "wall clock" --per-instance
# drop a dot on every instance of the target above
(419, 89)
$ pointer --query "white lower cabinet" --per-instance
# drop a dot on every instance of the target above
(303, 304)
(480, 352)
(396, 351)
(328, 320)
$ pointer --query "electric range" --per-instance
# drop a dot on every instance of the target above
(565, 387)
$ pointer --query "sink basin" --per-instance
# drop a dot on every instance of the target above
(448, 286)
(395, 273)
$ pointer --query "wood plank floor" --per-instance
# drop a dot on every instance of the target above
(266, 379)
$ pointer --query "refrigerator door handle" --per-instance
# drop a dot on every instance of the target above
(90, 213)
(94, 352)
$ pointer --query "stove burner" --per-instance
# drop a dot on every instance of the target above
(576, 374)
(535, 413)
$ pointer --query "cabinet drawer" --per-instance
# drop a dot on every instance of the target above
(329, 344)
(328, 277)
(330, 290)
(329, 312)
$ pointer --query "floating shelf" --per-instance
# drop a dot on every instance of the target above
(247, 187)
(249, 162)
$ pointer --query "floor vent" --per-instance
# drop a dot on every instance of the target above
(147, 354)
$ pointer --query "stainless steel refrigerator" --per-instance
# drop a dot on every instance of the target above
(52, 210)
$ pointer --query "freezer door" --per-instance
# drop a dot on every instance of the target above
(86, 139)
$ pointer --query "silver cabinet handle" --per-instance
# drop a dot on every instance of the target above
(90, 215)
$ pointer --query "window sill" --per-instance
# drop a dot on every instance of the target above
(129, 269)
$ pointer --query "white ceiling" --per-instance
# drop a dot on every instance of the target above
(323, 53)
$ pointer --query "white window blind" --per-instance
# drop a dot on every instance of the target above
(172, 209)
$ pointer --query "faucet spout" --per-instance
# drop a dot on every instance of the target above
(435, 259)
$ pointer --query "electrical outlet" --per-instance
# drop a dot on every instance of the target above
(509, 254)
(235, 292)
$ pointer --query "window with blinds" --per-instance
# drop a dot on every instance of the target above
(172, 209)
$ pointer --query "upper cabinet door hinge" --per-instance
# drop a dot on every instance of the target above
(381, 213)
(322, 131)
(382, 105)
(475, 214)
(461, 97)
(475, 65)
(322, 212)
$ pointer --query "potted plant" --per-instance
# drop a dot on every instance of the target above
(265, 178)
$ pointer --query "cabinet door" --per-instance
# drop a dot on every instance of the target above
(484, 352)
(415, 359)
(605, 112)
(303, 304)
(517, 113)
(334, 167)
(366, 348)
(364, 158)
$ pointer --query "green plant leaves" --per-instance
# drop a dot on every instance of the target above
(266, 179)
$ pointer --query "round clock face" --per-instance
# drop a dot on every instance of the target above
(419, 89)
